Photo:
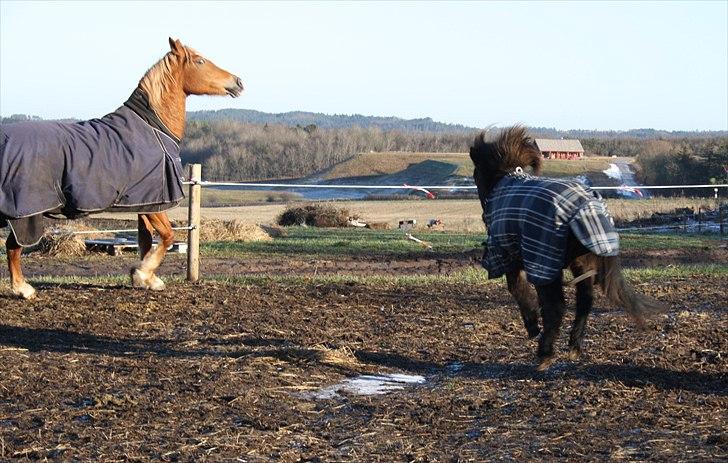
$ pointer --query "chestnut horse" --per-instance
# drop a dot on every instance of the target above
(49, 168)
(538, 226)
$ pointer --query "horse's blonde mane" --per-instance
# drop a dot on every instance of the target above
(159, 79)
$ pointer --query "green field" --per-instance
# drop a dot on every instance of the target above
(355, 242)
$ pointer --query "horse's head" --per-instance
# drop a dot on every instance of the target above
(201, 76)
(498, 157)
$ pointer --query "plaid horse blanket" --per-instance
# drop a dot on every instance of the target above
(117, 162)
(529, 219)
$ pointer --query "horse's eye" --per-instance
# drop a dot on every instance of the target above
(200, 61)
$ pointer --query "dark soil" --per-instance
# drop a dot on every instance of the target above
(218, 372)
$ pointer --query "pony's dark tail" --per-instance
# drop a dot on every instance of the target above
(619, 292)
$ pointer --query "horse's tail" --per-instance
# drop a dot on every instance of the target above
(619, 292)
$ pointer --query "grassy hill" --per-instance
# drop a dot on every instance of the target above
(371, 164)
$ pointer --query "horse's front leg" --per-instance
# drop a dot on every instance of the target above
(143, 276)
(525, 296)
(18, 284)
(553, 306)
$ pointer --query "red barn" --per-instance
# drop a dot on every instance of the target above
(560, 149)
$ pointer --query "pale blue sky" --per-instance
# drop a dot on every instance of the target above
(591, 65)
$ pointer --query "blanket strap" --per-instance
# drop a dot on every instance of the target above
(582, 277)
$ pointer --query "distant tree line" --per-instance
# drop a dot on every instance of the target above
(326, 121)
(684, 162)
(303, 118)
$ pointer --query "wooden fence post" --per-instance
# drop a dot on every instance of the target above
(193, 221)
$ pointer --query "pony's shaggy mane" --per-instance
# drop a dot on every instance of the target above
(512, 148)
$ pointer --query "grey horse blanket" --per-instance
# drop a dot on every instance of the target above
(117, 162)
(529, 219)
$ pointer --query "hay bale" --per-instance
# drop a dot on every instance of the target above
(226, 230)
(315, 215)
(231, 230)
(62, 242)
(294, 216)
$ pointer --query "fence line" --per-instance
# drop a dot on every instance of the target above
(195, 203)
(206, 183)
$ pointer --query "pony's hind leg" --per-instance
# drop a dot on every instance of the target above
(584, 301)
(551, 297)
(143, 276)
(17, 283)
(525, 296)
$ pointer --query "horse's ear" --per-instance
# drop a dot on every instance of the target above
(477, 146)
(176, 46)
(537, 162)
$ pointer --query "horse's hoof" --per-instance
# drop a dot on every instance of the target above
(574, 354)
(156, 283)
(146, 280)
(24, 291)
(546, 363)
(533, 332)
(140, 278)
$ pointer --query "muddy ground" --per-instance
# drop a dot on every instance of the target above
(97, 264)
(219, 372)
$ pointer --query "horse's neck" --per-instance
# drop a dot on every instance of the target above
(172, 112)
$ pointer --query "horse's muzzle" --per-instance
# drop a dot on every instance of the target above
(236, 89)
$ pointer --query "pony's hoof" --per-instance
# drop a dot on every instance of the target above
(546, 363)
(24, 291)
(533, 332)
(574, 354)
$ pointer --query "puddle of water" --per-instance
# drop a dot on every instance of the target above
(368, 385)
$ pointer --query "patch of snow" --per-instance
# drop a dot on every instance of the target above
(367, 385)
(614, 172)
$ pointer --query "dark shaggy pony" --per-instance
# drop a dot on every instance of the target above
(539, 226)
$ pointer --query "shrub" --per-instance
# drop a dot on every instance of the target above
(315, 215)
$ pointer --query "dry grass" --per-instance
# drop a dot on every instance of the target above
(626, 210)
(215, 197)
(341, 356)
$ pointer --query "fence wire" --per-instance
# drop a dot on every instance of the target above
(206, 183)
